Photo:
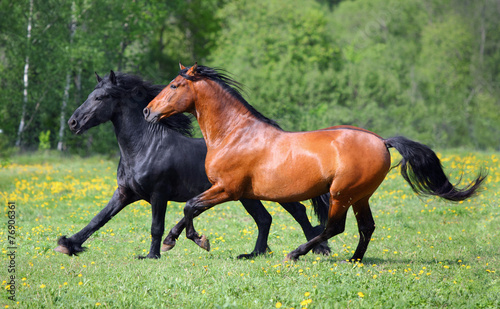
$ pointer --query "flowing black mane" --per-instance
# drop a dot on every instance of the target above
(141, 92)
(233, 87)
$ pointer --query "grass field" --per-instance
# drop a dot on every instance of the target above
(424, 253)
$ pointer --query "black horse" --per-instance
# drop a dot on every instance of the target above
(160, 163)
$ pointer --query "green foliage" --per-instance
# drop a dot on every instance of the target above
(5, 150)
(426, 69)
(44, 139)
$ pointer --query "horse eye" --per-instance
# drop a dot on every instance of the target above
(173, 86)
(102, 97)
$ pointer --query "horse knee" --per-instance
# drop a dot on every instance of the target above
(265, 219)
(366, 231)
(189, 209)
(334, 229)
(157, 231)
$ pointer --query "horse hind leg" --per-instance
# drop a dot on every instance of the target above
(366, 226)
(263, 220)
(298, 212)
(335, 225)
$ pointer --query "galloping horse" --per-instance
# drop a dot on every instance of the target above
(159, 163)
(249, 157)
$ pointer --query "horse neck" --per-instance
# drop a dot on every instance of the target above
(133, 132)
(221, 114)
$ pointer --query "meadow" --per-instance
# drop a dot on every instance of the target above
(425, 252)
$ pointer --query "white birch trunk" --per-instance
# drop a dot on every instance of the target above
(62, 122)
(25, 78)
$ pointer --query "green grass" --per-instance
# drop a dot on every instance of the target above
(424, 253)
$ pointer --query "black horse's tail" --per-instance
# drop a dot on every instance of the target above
(321, 205)
(422, 169)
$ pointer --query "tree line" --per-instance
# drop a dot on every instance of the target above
(427, 69)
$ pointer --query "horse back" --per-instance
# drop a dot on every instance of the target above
(293, 166)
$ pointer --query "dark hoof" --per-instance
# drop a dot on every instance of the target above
(247, 256)
(203, 242)
(254, 254)
(322, 248)
(168, 244)
(165, 247)
(66, 246)
(146, 257)
(62, 249)
(290, 257)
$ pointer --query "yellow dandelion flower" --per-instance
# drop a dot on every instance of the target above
(278, 305)
(42, 286)
(306, 294)
(305, 302)
(360, 294)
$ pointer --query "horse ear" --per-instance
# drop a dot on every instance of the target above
(112, 77)
(99, 79)
(192, 70)
(181, 66)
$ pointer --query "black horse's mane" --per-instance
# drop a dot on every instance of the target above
(141, 92)
(230, 85)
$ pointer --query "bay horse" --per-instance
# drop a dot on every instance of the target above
(249, 157)
(160, 163)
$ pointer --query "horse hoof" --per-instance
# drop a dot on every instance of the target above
(248, 256)
(148, 257)
(62, 249)
(204, 243)
(321, 249)
(167, 247)
(290, 258)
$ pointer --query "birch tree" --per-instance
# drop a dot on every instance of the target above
(25, 77)
(62, 122)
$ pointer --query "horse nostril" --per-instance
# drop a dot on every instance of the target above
(146, 112)
(72, 123)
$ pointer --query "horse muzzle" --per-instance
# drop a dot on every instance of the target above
(150, 117)
(74, 126)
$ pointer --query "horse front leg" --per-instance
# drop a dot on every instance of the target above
(159, 207)
(73, 245)
(206, 200)
(174, 233)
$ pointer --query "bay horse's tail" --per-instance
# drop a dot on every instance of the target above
(321, 205)
(422, 169)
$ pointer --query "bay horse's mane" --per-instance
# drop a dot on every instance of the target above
(141, 92)
(228, 84)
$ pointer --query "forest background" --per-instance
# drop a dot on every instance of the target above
(426, 69)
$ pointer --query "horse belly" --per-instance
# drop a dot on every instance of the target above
(295, 176)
